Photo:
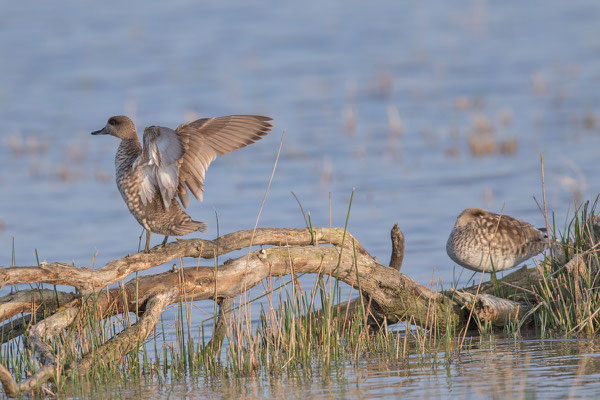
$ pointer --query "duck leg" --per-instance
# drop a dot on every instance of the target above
(165, 241)
(147, 250)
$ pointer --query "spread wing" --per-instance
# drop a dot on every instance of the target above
(159, 164)
(205, 139)
(174, 160)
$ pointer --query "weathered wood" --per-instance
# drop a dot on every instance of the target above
(113, 350)
(394, 293)
(88, 280)
(38, 335)
(397, 248)
(388, 295)
(18, 326)
(220, 329)
(492, 309)
(364, 304)
(31, 300)
(8, 382)
(120, 345)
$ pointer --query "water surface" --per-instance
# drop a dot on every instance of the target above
(496, 368)
(378, 98)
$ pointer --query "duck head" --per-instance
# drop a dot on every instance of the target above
(119, 126)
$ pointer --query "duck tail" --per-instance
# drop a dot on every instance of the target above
(197, 226)
(189, 226)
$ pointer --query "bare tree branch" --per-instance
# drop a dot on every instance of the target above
(120, 345)
(31, 300)
(389, 296)
(220, 329)
(88, 280)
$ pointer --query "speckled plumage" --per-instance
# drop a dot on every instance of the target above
(150, 178)
(484, 241)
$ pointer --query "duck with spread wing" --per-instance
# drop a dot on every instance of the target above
(171, 162)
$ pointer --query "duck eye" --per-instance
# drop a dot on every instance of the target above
(112, 121)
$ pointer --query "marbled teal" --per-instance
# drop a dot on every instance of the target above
(150, 178)
(485, 242)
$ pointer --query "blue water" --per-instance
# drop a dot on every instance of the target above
(330, 74)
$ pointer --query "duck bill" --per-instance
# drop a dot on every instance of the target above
(100, 132)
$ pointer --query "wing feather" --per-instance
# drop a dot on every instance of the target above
(174, 161)
(160, 164)
(205, 139)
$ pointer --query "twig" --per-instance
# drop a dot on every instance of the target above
(545, 208)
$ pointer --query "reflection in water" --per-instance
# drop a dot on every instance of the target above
(490, 368)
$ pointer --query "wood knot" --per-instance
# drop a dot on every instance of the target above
(262, 255)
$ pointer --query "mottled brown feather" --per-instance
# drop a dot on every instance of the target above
(482, 241)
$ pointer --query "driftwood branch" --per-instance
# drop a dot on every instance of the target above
(356, 307)
(394, 292)
(388, 295)
(397, 248)
(220, 328)
(18, 326)
(116, 348)
(31, 300)
(36, 341)
(493, 309)
(88, 280)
